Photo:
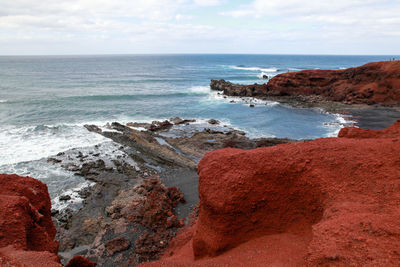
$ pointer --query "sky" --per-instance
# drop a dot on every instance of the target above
(58, 27)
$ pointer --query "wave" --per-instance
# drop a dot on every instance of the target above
(339, 121)
(3, 101)
(214, 97)
(240, 67)
(28, 143)
(263, 74)
(199, 89)
(192, 91)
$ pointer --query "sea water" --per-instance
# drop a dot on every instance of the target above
(46, 100)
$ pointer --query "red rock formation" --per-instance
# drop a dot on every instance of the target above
(26, 214)
(79, 261)
(373, 83)
(331, 201)
(377, 82)
(26, 228)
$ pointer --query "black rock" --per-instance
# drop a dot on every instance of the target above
(54, 160)
(64, 197)
(212, 121)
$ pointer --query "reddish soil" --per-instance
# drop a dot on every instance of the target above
(330, 202)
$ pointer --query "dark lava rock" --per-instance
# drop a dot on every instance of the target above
(212, 121)
(64, 198)
(54, 160)
(117, 245)
(156, 126)
(93, 128)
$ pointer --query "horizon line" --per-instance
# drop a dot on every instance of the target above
(177, 54)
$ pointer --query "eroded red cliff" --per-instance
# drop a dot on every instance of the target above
(377, 82)
(26, 228)
(331, 201)
(372, 83)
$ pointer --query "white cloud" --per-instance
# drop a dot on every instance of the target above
(208, 2)
(261, 26)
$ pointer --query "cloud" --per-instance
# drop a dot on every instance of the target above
(161, 26)
(208, 2)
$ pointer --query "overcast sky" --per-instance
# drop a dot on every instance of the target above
(199, 26)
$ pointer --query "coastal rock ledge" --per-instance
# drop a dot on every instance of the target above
(372, 83)
(330, 202)
(26, 228)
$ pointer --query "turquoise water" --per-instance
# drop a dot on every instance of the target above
(45, 100)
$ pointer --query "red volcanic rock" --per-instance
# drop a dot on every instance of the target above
(25, 217)
(26, 228)
(79, 261)
(373, 83)
(331, 201)
(377, 82)
(352, 132)
(9, 256)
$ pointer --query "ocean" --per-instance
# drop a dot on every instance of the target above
(46, 100)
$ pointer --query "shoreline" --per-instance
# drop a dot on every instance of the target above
(374, 117)
(157, 151)
(162, 150)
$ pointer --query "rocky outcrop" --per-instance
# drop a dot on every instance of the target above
(331, 201)
(134, 208)
(373, 83)
(231, 89)
(26, 228)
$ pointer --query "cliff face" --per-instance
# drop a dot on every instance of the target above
(373, 83)
(328, 201)
(26, 228)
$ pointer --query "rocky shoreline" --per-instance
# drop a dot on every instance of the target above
(326, 202)
(369, 91)
(137, 201)
(372, 83)
(143, 191)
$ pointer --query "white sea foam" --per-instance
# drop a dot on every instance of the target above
(76, 199)
(62, 181)
(215, 98)
(3, 101)
(262, 74)
(255, 68)
(19, 144)
(340, 121)
(200, 89)
(342, 68)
